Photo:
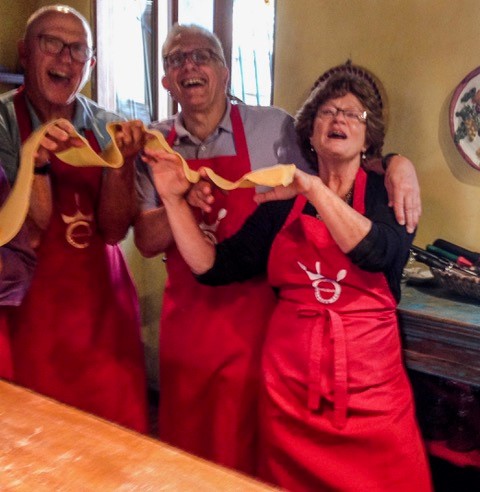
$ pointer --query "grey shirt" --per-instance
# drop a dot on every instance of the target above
(270, 135)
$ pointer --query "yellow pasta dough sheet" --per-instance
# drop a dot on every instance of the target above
(15, 208)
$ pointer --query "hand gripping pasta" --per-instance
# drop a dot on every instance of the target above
(14, 210)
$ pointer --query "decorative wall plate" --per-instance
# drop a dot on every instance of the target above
(465, 118)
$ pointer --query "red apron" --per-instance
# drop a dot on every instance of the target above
(6, 365)
(211, 337)
(337, 410)
(76, 336)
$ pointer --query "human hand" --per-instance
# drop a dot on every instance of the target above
(201, 193)
(301, 185)
(403, 191)
(130, 137)
(168, 175)
(58, 138)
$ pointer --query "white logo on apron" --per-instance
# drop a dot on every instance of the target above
(210, 229)
(326, 290)
(79, 230)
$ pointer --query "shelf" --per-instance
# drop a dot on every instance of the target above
(439, 449)
(11, 78)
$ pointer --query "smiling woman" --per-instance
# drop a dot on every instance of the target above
(333, 388)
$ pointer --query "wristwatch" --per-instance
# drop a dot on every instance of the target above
(42, 170)
(386, 160)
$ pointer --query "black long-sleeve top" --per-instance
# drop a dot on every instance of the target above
(384, 249)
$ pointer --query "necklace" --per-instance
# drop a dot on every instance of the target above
(347, 199)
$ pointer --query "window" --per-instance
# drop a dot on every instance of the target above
(252, 51)
(129, 34)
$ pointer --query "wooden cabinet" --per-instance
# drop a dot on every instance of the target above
(441, 337)
(441, 333)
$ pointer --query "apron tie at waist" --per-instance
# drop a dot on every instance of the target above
(316, 372)
(315, 359)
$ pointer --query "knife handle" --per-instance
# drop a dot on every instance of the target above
(429, 259)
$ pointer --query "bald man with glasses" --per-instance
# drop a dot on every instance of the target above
(51, 45)
(76, 336)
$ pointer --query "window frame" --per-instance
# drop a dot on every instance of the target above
(222, 27)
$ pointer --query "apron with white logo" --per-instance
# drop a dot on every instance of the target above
(76, 336)
(211, 337)
(337, 411)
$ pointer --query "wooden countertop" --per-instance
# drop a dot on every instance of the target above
(48, 446)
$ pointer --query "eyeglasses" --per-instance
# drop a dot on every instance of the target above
(52, 45)
(330, 112)
(199, 56)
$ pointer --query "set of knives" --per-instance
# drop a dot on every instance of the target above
(444, 255)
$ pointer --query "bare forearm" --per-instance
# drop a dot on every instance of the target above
(118, 203)
(198, 253)
(346, 226)
(152, 232)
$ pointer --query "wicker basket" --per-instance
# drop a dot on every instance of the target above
(460, 283)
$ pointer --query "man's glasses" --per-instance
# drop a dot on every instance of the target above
(330, 112)
(199, 56)
(51, 45)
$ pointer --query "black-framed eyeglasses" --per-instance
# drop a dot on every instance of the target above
(330, 112)
(199, 56)
(52, 45)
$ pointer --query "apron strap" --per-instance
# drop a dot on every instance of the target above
(340, 398)
(22, 114)
(25, 124)
(298, 206)
(315, 367)
(315, 360)
(239, 137)
(359, 191)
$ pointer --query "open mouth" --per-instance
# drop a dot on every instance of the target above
(193, 82)
(337, 134)
(58, 76)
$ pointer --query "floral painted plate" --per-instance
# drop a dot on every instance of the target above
(465, 118)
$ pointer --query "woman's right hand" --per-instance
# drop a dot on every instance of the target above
(301, 185)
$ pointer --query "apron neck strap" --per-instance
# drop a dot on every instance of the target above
(22, 114)
(239, 138)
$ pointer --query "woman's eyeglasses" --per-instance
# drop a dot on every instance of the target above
(330, 112)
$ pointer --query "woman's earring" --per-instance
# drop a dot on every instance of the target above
(312, 149)
(363, 157)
